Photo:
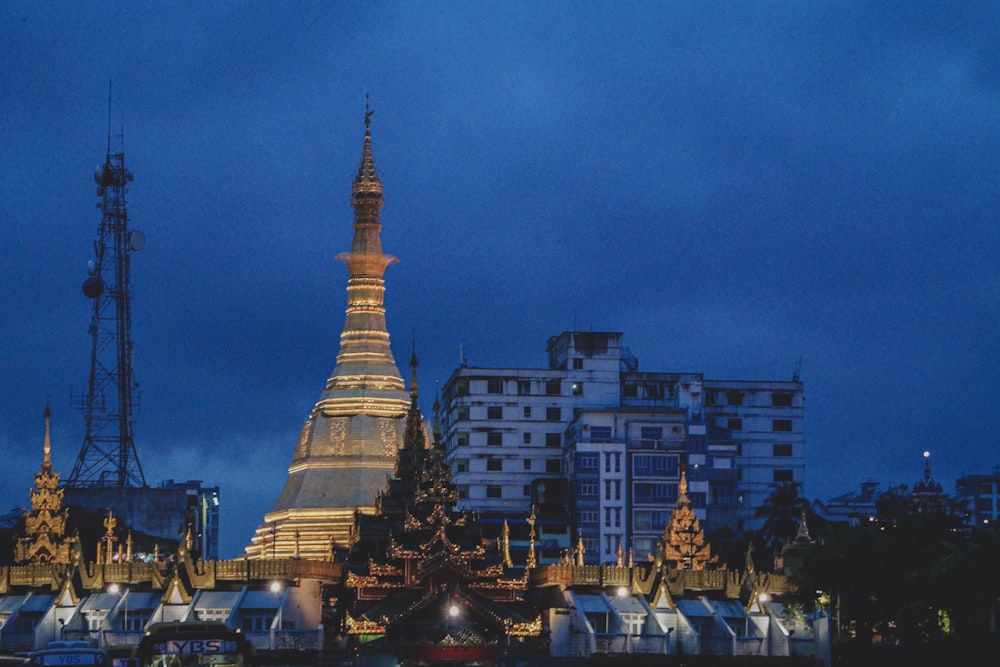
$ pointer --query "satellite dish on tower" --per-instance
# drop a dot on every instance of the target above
(93, 287)
(136, 240)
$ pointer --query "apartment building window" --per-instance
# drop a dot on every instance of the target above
(463, 491)
(524, 387)
(462, 413)
(527, 438)
(734, 397)
(586, 490)
(462, 388)
(618, 489)
(461, 465)
(553, 414)
(652, 465)
(607, 461)
(781, 424)
(600, 432)
(462, 440)
(607, 490)
(578, 389)
(735, 424)
(630, 390)
(553, 387)
(781, 400)
(494, 465)
(783, 476)
(494, 438)
(654, 492)
(586, 516)
(782, 450)
(651, 519)
(494, 386)
(527, 464)
(494, 412)
(618, 462)
(586, 462)
(527, 412)
(652, 436)
(492, 490)
(526, 489)
(553, 440)
(578, 364)
(607, 517)
(553, 466)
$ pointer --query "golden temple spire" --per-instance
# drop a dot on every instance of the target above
(683, 542)
(532, 560)
(47, 443)
(505, 545)
(45, 539)
(367, 183)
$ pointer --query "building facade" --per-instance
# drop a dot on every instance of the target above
(981, 493)
(617, 439)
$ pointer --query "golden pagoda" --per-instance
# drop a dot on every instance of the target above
(683, 544)
(45, 539)
(349, 443)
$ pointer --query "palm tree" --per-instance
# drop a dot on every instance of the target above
(782, 512)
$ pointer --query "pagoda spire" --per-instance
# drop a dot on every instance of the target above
(45, 539)
(683, 543)
(350, 442)
(366, 378)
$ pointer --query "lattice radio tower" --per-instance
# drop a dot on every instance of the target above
(108, 457)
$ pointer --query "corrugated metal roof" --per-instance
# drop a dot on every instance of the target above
(693, 608)
(593, 604)
(627, 605)
(260, 600)
(218, 600)
(100, 601)
(729, 608)
(38, 603)
(11, 603)
(143, 600)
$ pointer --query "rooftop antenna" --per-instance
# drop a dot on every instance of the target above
(108, 457)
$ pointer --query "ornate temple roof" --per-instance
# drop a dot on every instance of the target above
(45, 539)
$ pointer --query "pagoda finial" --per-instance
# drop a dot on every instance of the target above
(413, 369)
(47, 443)
(532, 560)
(505, 545)
(367, 184)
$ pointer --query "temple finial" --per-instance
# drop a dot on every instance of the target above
(413, 369)
(47, 443)
(367, 184)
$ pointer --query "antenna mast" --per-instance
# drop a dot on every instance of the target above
(108, 457)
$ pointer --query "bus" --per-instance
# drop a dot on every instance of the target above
(194, 644)
(68, 653)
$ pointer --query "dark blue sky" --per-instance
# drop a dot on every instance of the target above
(733, 185)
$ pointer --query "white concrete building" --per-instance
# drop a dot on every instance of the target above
(617, 437)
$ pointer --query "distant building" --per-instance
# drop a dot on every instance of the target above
(981, 494)
(166, 512)
(851, 508)
(617, 436)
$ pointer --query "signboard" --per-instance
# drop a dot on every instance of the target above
(82, 658)
(194, 646)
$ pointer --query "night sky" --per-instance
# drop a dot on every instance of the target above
(734, 186)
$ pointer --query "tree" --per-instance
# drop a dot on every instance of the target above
(782, 512)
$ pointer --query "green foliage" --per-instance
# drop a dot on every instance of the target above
(782, 513)
(913, 577)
